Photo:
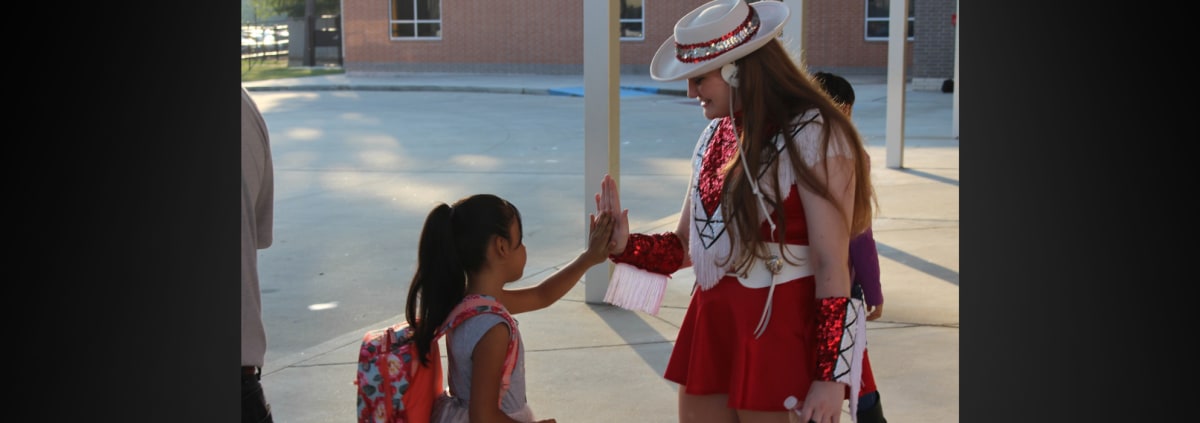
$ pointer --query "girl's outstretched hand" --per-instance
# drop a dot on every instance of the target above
(600, 232)
(609, 200)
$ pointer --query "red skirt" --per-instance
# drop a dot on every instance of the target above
(716, 351)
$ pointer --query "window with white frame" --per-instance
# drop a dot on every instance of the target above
(632, 20)
(878, 14)
(416, 19)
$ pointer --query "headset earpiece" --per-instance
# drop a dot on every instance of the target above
(729, 74)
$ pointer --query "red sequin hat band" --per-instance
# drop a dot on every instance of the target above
(699, 52)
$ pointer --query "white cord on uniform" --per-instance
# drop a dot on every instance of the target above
(774, 267)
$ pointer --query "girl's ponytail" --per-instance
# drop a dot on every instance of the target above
(440, 281)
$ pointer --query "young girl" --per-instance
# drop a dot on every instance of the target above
(474, 247)
(780, 185)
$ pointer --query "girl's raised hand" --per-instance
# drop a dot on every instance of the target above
(600, 233)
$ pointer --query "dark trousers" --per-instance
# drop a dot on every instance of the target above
(254, 403)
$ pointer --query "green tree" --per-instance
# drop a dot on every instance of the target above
(257, 11)
(295, 8)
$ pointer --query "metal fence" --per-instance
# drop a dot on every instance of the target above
(261, 41)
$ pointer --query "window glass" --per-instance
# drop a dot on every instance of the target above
(403, 31)
(429, 30)
(632, 20)
(878, 12)
(631, 9)
(631, 31)
(402, 11)
(416, 19)
(878, 8)
(429, 9)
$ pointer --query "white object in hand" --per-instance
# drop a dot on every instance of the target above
(791, 402)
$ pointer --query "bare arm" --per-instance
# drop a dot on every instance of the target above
(682, 229)
(829, 228)
(487, 369)
(552, 288)
(829, 239)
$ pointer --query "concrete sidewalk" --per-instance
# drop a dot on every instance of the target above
(598, 363)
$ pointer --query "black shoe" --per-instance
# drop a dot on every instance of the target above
(873, 414)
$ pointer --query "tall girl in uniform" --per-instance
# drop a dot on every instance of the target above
(780, 185)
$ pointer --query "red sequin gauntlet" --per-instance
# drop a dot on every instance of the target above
(659, 253)
(831, 327)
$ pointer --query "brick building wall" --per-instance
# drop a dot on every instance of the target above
(491, 36)
(835, 39)
(933, 56)
(515, 36)
(528, 36)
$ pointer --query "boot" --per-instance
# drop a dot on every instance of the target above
(873, 414)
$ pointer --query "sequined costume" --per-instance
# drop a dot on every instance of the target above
(729, 342)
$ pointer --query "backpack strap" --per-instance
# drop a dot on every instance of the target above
(473, 305)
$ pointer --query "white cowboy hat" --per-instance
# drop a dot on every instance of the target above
(717, 33)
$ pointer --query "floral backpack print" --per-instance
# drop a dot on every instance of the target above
(393, 386)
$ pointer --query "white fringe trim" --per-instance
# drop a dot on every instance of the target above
(854, 341)
(704, 260)
(635, 289)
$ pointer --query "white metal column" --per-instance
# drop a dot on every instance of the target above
(897, 45)
(957, 82)
(793, 29)
(601, 120)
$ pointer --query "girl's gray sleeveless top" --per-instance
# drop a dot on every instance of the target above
(460, 343)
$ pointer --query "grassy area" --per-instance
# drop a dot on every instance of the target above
(259, 70)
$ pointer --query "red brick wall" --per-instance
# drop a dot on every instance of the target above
(835, 37)
(363, 25)
(492, 31)
(532, 34)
